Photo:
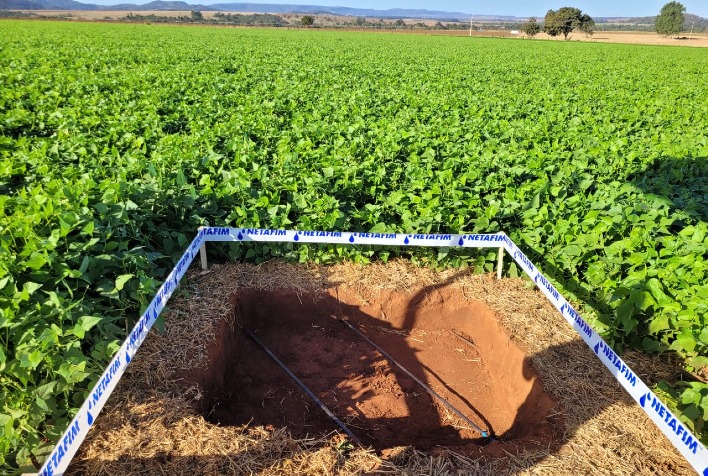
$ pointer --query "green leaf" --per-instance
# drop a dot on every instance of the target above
(88, 228)
(31, 360)
(87, 322)
(72, 373)
(78, 331)
(657, 291)
(625, 312)
(45, 391)
(36, 260)
(4, 419)
(691, 412)
(658, 324)
(684, 344)
(15, 413)
(650, 345)
(699, 362)
(31, 287)
(122, 280)
(64, 228)
(84, 264)
(378, 228)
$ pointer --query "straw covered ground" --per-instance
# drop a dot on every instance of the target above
(150, 425)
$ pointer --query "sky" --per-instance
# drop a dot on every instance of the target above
(519, 8)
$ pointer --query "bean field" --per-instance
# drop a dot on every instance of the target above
(118, 141)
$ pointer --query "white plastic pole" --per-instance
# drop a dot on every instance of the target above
(500, 263)
(203, 256)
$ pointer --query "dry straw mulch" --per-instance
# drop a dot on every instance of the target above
(150, 426)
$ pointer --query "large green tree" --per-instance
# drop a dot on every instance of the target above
(565, 20)
(531, 28)
(587, 24)
(670, 19)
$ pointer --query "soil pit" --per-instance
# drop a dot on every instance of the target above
(452, 344)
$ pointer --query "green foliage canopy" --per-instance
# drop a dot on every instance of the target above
(586, 24)
(531, 27)
(565, 20)
(670, 19)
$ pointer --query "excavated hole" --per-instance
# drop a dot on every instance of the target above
(485, 376)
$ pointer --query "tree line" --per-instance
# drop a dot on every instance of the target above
(563, 21)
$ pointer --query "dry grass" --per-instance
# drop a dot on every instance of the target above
(149, 425)
(637, 38)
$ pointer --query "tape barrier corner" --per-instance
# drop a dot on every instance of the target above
(57, 462)
(678, 434)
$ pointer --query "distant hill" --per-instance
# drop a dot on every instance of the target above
(687, 18)
(348, 11)
(696, 22)
(157, 5)
(46, 5)
(160, 5)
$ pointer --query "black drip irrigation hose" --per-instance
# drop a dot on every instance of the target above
(485, 434)
(305, 389)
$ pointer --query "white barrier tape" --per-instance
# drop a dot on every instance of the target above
(491, 240)
(680, 436)
(687, 444)
(58, 460)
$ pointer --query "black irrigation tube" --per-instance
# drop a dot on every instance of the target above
(305, 389)
(482, 432)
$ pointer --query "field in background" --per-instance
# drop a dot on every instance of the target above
(117, 141)
(638, 37)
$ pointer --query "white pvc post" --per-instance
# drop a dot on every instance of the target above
(500, 263)
(203, 256)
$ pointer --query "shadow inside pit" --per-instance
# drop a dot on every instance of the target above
(382, 406)
(496, 385)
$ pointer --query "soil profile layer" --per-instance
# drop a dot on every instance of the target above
(452, 344)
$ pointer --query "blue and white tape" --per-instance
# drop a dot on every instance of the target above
(686, 443)
(354, 238)
(58, 460)
(680, 436)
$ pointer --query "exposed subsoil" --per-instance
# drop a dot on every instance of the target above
(154, 421)
(451, 343)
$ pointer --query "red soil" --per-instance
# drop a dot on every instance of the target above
(485, 376)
